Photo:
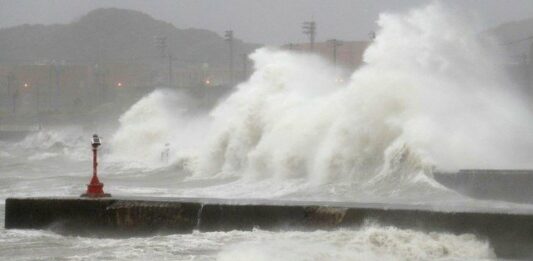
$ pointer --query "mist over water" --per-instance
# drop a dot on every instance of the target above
(161, 119)
(367, 243)
(431, 95)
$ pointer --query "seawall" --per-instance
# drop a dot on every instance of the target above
(507, 185)
(510, 233)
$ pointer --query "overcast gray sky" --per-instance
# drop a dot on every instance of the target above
(261, 21)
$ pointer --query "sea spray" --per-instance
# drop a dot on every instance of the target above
(370, 242)
(461, 110)
(158, 130)
(67, 141)
(431, 94)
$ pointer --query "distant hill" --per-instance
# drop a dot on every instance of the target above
(113, 35)
(516, 36)
(513, 31)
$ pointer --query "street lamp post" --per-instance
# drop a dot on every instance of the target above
(228, 37)
(14, 96)
(170, 58)
(161, 44)
(309, 28)
(335, 44)
(244, 66)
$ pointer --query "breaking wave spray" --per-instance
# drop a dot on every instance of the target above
(430, 93)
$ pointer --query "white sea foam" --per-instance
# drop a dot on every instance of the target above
(69, 141)
(367, 243)
(370, 242)
(430, 94)
(158, 119)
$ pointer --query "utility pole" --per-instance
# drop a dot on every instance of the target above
(99, 82)
(36, 91)
(228, 37)
(50, 86)
(309, 28)
(170, 70)
(53, 100)
(245, 66)
(57, 68)
(335, 43)
(161, 44)
(37, 97)
(14, 96)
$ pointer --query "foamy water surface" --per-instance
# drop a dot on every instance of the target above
(294, 132)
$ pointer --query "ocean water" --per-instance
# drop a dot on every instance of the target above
(431, 95)
(52, 177)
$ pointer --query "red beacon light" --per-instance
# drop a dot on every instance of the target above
(119, 84)
(95, 189)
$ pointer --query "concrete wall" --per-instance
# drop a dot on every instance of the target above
(507, 185)
(105, 216)
(511, 234)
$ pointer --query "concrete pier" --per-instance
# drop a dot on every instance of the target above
(507, 185)
(510, 233)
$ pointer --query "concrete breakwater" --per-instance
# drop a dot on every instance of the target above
(507, 185)
(510, 233)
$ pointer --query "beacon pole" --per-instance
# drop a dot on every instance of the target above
(95, 189)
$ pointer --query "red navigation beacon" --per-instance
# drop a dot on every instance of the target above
(95, 189)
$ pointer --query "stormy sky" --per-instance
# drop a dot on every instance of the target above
(261, 21)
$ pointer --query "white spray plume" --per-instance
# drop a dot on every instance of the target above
(430, 94)
(159, 121)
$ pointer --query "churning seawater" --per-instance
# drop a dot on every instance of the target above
(53, 176)
(430, 94)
